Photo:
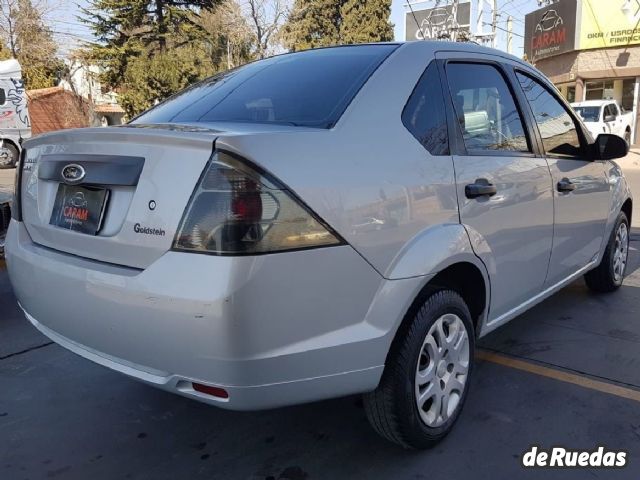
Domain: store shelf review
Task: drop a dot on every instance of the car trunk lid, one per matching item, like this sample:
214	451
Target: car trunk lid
115	195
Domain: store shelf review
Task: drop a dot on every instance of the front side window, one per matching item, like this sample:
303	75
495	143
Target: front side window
310	89
557	127
424	115
485	109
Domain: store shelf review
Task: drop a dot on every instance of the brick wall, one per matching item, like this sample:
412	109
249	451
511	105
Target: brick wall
57	109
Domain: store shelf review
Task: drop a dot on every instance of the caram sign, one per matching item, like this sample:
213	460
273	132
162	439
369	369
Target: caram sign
550	30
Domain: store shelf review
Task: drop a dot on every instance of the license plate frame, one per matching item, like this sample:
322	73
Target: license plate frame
79	208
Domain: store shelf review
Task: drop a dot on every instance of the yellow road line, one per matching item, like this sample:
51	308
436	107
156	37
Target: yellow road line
560	375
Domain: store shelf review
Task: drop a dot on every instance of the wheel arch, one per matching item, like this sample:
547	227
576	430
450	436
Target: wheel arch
468	278
627	208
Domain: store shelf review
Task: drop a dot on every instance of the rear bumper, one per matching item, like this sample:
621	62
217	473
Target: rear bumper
272	330
254	397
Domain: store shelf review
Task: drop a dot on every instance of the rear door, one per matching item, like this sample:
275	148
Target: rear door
503	185
581	187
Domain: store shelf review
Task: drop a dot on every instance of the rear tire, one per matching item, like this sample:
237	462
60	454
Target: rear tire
609	275
8	156
426	378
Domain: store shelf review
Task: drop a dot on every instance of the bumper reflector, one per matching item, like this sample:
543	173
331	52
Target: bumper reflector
209	390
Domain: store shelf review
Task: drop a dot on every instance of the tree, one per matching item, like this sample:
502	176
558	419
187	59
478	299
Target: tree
127	29
31	42
150	79
149	49
265	19
318	23
366	21
311	24
227	36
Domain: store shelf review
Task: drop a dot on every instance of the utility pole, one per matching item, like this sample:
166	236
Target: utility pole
453	30
486	15
494	23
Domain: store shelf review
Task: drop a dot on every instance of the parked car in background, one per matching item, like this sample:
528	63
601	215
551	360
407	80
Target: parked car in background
605	116
15	124
319	224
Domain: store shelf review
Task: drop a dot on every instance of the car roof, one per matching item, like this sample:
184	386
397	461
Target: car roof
439	46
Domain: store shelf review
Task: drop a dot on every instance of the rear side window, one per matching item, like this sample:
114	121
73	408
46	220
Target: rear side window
311	88
485	108
424	115
557	127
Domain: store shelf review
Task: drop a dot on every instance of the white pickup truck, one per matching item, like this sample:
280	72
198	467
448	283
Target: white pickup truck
605	116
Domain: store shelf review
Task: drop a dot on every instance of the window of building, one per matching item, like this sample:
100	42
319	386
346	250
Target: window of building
557	127
424	115
485	108
571	94
600	90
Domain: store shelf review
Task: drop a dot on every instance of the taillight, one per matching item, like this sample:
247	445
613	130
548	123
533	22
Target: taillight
236	210
16	205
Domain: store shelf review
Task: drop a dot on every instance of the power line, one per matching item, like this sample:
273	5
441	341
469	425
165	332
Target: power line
415	19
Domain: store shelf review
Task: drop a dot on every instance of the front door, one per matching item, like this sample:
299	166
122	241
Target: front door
581	187
504	189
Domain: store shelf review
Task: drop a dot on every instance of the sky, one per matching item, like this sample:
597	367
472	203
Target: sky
62	16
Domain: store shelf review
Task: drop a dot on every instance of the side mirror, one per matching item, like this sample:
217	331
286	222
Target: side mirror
609	118
609	147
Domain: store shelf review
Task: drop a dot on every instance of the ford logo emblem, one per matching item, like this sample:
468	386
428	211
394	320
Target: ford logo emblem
73	173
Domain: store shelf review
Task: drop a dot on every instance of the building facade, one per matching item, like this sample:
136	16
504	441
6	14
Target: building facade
590	50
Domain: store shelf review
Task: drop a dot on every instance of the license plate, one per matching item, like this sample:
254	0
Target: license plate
79	209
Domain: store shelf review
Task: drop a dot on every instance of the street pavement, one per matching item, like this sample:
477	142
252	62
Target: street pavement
63	417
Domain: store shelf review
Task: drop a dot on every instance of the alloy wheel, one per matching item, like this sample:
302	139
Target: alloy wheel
621	251
442	370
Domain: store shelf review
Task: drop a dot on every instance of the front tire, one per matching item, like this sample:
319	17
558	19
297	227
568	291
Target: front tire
609	275
8	156
426	378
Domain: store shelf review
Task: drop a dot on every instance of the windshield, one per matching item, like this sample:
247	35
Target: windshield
588	114
311	88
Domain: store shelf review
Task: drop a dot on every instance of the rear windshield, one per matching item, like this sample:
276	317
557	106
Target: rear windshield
588	114
311	89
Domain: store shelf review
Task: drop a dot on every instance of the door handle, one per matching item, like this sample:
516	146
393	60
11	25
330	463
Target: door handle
566	185
480	188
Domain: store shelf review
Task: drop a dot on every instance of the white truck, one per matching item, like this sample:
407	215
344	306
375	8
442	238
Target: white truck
15	124
605	116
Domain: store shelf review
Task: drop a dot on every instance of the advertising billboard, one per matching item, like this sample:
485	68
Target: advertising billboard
550	30
436	23
609	23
